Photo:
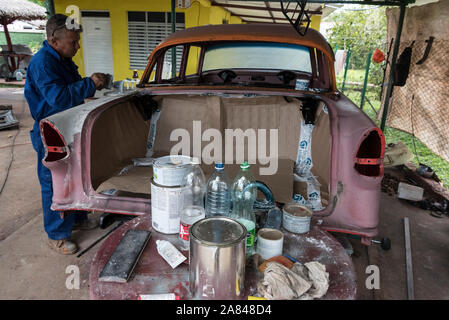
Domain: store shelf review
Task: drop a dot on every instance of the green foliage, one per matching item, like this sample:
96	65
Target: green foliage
362	32
39	2
32	40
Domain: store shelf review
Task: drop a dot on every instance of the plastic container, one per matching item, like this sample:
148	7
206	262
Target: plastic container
189	216
274	219
195	185
269	243
218	193
242	204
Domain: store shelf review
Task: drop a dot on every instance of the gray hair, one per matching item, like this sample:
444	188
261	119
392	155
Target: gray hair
60	22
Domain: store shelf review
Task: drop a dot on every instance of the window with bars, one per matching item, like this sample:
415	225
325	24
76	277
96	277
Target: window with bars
145	31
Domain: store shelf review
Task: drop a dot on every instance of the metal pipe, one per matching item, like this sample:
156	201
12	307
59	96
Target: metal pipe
173	30
365	82
397	41
346	69
50	6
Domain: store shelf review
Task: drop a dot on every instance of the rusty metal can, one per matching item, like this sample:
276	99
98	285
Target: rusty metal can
296	218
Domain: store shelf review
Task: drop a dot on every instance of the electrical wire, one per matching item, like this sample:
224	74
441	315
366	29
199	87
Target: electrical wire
413	129
12	154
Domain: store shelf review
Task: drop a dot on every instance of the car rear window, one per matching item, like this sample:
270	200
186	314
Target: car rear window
257	55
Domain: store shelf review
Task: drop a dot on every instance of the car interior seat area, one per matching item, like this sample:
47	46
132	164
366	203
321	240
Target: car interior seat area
190	124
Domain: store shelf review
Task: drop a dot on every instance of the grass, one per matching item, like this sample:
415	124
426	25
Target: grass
424	154
32	40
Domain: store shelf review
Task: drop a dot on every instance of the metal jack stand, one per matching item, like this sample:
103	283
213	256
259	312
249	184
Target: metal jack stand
385	243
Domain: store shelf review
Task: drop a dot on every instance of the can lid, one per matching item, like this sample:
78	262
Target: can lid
219	166
244	165
218	231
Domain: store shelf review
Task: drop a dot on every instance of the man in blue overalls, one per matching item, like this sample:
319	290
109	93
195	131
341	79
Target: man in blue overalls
53	84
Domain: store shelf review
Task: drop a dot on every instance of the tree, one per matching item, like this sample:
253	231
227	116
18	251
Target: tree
39	2
362	31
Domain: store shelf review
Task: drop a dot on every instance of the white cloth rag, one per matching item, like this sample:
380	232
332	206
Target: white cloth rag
301	282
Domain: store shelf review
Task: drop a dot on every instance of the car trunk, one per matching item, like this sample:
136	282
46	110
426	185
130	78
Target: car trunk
120	134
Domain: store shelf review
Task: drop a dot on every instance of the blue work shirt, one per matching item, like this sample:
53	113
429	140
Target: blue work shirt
53	85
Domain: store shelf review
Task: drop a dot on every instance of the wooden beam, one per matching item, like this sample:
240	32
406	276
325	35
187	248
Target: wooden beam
267	4
238	6
258	17
263	22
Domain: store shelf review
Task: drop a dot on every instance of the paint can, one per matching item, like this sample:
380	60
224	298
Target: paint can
296	218
269	243
217	259
169	171
166	206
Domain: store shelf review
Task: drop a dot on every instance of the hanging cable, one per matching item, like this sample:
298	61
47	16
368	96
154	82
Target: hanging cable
413	129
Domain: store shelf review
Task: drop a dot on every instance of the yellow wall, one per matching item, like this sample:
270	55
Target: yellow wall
200	13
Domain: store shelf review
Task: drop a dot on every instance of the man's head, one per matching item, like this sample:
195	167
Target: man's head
63	35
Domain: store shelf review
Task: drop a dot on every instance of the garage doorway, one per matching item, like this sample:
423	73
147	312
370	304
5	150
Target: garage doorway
97	42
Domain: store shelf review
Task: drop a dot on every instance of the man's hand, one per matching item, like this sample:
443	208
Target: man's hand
99	80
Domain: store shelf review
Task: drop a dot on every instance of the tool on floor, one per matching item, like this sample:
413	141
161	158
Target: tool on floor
7	119
99	239
106	219
408	260
125	256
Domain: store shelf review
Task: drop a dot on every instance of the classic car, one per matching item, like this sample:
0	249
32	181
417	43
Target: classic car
328	153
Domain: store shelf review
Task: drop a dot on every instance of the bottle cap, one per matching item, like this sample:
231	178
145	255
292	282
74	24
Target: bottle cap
244	165
219	166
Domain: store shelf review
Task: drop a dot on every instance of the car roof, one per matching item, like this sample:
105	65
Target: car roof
283	33
257	32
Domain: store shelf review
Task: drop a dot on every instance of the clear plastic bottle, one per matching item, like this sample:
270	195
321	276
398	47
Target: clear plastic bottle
189	216
194	183
218	193
242	204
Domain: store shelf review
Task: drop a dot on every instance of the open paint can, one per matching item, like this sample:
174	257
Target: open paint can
169	171
296	218
217	259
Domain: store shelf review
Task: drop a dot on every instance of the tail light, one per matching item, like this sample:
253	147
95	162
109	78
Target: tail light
368	161
54	142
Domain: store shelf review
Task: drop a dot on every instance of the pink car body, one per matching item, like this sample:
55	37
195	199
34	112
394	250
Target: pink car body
356	144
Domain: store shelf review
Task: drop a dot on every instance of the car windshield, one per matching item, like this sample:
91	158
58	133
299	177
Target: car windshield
257	55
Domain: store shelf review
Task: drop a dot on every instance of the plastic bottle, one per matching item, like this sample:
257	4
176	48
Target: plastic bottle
189	216
218	193
242	204
195	185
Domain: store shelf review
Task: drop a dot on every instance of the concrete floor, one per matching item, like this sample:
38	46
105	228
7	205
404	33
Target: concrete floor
29	270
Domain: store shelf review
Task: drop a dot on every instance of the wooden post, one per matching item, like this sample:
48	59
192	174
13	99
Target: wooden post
12	67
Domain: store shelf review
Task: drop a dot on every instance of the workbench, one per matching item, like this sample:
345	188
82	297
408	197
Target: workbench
153	274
